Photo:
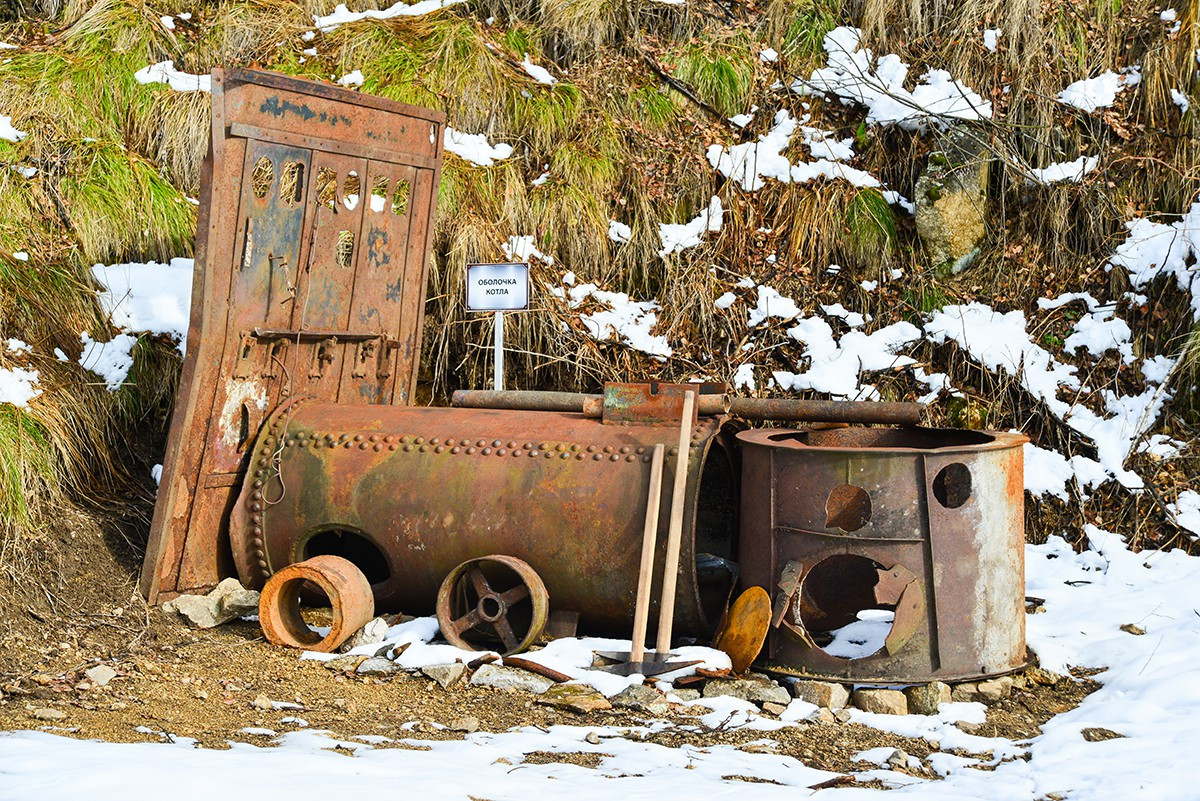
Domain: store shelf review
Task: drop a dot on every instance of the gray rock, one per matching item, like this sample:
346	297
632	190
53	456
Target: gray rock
879	701
748	690
224	603
995	690
825	717
898	759
951	201
510	678
262	702
369	634
48	714
377	666
827	694
1042	676
348	663
574	698
686	694
924	698
640	698
100	675
445	675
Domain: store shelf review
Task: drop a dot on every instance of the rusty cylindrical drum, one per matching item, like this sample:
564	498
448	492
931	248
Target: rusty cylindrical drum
892	555
343	584
408	493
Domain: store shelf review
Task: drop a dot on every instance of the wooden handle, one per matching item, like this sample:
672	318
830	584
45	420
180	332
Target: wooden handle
666	607
641	611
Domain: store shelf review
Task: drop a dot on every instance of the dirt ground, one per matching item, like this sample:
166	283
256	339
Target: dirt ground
176	681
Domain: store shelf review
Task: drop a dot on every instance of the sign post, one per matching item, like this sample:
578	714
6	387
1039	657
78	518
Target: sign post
498	288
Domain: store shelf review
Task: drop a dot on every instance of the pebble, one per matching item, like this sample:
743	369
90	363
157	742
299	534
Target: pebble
466	724
1133	628
100	675
227	601
686	694
774	709
641	698
1042	676
994	690
49	714
369	634
592	738
748	690
574	698
377	666
262	702
445	675
510	678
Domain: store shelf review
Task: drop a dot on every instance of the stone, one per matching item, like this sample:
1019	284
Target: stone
468	724
994	690
640	698
48	714
841	716
592	738
445	675
377	666
748	690
574	698
262	702
228	600
827	694
686	694
349	663
369	634
1133	628
100	675
880	701
511	679
924	698
898	759
774	709
951	201
1096	734
966	692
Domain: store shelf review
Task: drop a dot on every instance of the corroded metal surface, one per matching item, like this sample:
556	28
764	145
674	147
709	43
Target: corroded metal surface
344	585
662	403
494	599
313	236
744	629
926	523
410	493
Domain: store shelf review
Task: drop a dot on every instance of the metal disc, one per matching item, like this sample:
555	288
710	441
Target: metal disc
744	629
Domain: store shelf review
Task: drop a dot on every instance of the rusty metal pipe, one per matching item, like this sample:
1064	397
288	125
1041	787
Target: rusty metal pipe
344	585
825	411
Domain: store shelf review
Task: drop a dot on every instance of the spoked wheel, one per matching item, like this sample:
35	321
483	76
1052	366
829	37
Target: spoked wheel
497	602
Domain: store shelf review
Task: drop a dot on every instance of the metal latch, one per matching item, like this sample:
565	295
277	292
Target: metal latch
322	355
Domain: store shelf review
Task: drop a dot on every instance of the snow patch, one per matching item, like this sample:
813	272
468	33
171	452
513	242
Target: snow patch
475	148
165	72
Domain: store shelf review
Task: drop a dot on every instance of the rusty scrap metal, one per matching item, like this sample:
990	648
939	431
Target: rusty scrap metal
928	523
311	258
744	630
343	584
413	492
493	598
615	405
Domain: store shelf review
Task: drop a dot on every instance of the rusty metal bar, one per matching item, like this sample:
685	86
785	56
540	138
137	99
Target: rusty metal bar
708	405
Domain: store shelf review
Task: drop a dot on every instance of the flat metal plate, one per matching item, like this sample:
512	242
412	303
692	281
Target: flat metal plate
316	215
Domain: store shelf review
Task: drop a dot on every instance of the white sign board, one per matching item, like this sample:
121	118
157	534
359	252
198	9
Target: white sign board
497	287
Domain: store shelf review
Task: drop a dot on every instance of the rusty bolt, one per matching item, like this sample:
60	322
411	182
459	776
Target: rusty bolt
345	586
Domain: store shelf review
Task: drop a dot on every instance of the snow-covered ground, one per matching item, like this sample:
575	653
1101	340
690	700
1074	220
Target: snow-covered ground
1150	694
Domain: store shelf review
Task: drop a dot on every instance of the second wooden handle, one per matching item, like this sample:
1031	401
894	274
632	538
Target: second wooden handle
666	616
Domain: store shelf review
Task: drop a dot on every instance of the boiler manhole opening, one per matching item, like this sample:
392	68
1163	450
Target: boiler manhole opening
838	607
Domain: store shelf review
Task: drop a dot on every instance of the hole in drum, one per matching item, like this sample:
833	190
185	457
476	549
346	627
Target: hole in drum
490	608
716	532
848	507
837	607
952	485
352	546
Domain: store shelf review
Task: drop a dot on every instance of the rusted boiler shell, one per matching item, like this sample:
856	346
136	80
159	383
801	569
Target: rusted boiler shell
924	522
409	493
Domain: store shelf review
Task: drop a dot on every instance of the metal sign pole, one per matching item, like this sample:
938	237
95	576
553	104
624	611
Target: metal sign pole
498	348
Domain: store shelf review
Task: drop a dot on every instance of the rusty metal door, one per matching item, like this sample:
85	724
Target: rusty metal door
311	263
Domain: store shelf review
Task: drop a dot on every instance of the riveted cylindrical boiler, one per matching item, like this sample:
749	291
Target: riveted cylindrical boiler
891	555
408	493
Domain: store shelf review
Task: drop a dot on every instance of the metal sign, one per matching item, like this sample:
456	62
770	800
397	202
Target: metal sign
498	287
